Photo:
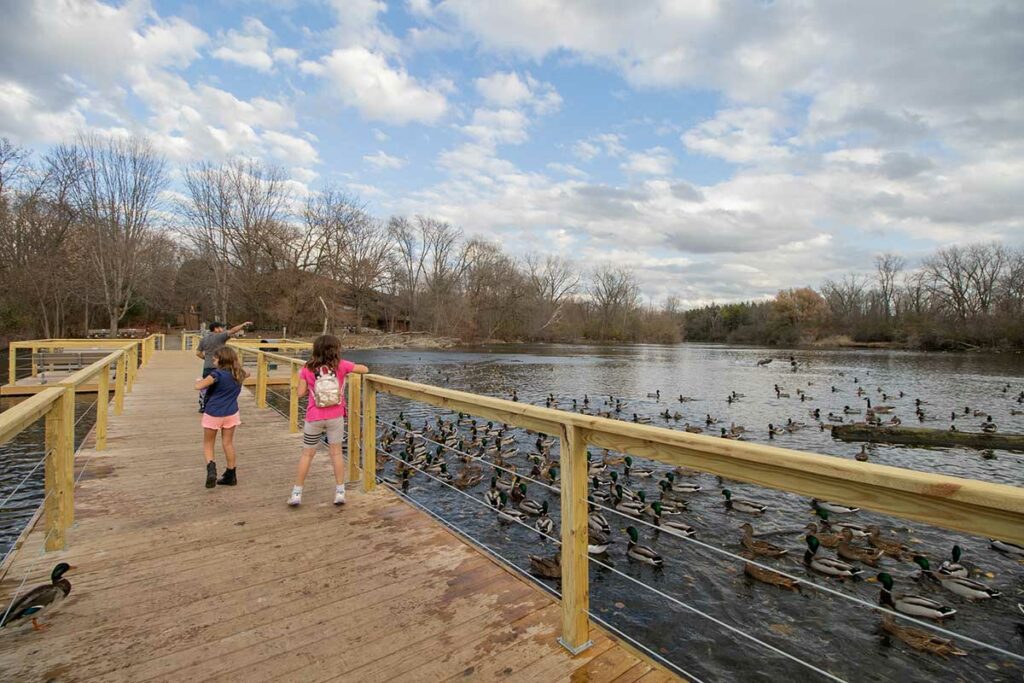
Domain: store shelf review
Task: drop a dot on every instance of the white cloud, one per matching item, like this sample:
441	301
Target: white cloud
381	160
381	92
506	89
739	135
609	144
498	126
251	47
290	148
380	136
654	161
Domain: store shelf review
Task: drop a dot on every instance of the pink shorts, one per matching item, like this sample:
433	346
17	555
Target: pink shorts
227	422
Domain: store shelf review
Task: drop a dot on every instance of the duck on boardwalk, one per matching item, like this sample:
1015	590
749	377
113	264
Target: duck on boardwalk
41	599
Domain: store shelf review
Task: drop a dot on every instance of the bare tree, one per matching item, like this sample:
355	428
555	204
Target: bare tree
553	281
616	294
409	263
888	268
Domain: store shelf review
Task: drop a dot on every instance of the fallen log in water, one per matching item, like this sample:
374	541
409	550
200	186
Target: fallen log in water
921	436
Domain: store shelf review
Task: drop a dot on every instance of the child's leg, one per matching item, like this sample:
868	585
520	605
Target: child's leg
338	461
335	439
305	460
209	440
227	442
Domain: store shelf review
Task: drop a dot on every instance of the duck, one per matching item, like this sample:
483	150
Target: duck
914	605
953	567
774	431
858	530
827	565
672	506
833	508
847	551
893	549
965	588
40	599
626	505
467	479
673	526
759	547
493	495
742	505
771	578
547	567
544	523
509	513
920	639
678	486
1007	547
829	540
862	454
628	469
642	553
595	520
597	542
530	507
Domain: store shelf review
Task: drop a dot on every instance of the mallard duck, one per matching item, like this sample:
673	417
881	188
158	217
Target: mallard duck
443	474
833	508
827	565
965	588
673	526
595	520
858	530
597	542
1007	547
630	471
672	506
507	512
893	549
771	578
862	455
680	486
742	505
467	478
953	567
625	505
845	550
547	567
530	507
510	483
913	605
921	640
40	599
544	523
759	547
493	495
641	553
829	540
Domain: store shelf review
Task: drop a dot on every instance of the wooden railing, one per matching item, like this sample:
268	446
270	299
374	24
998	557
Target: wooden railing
143	350
56	405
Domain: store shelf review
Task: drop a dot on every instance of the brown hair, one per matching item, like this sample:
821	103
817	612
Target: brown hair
326	353
226	358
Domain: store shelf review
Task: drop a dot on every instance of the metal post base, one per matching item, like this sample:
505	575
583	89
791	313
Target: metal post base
575	650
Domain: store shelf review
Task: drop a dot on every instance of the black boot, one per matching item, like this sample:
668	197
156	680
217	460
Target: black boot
228	478
211	474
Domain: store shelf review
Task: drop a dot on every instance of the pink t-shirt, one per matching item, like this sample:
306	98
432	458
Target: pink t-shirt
313	413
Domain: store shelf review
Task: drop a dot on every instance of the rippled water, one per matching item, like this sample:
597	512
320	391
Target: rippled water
826	631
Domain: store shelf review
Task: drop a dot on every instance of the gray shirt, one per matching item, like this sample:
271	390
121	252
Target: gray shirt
209	345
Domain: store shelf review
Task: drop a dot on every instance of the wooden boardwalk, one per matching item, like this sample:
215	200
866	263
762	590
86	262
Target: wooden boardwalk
175	582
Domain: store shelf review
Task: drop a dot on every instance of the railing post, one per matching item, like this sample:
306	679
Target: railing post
12	364
133	366
60	468
261	380
575	566
355	442
32	356
369	436
102	406
120	379
293	399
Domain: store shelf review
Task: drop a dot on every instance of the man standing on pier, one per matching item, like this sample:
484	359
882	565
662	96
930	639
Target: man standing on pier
216	338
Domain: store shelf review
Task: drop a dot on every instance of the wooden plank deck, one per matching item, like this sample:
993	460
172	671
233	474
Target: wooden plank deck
175	582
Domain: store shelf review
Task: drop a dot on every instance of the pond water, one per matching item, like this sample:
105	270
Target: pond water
821	629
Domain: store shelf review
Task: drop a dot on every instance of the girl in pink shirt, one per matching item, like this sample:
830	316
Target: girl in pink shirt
323	380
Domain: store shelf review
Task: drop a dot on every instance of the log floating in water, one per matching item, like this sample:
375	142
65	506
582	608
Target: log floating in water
921	436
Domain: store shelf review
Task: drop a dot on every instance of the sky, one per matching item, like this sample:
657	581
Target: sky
723	150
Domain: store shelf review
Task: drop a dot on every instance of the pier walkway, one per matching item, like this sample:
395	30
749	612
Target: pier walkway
175	582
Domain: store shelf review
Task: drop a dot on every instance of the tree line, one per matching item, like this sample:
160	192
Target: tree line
93	234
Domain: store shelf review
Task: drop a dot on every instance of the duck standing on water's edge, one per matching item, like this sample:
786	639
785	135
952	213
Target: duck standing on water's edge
40	599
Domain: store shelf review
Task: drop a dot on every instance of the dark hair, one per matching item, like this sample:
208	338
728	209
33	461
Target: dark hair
214	325
227	358
326	353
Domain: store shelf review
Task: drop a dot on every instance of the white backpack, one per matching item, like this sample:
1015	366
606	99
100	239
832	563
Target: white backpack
327	390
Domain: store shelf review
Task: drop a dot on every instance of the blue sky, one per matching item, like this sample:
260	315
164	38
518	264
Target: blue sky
724	150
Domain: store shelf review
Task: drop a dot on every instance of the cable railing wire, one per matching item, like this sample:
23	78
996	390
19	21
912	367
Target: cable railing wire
32	566
722	551
26	478
86	412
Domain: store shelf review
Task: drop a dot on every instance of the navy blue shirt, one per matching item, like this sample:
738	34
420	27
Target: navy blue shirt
222	396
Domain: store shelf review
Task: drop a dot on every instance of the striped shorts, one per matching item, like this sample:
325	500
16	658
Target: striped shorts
313	432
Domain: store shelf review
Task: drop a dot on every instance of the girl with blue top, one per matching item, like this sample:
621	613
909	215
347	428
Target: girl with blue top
220	413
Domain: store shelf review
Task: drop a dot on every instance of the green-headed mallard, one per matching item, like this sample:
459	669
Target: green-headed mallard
679	486
509	512
848	551
858	530
914	605
627	506
40	599
833	508
595	520
670	525
759	547
965	588
953	567
827	565
630	471
544	523
493	494
641	553
547	567
672	506
530	507
750	507
825	538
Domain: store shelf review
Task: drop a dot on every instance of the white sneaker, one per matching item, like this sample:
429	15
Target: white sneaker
295	500
339	497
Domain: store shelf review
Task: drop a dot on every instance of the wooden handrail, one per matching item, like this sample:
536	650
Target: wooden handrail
976	507
145	348
57	406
